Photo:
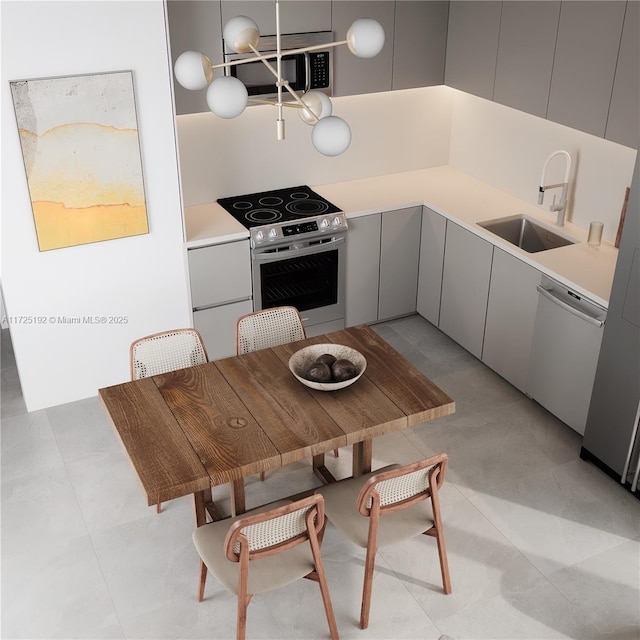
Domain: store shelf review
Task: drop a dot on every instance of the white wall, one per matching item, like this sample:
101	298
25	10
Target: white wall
142	279
391	132
507	148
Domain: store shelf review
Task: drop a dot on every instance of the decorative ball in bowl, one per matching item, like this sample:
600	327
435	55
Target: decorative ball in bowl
327	367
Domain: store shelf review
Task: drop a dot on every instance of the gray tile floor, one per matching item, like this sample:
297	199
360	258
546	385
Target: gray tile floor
541	544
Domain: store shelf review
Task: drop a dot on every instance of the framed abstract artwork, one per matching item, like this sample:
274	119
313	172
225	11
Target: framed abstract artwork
81	151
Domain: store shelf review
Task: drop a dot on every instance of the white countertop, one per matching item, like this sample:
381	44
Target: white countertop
458	197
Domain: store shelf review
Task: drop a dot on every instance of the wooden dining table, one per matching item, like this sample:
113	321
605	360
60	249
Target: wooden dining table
217	423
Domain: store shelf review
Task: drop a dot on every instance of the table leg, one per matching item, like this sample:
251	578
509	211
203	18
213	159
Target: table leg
321	471
236	488
199	502
362	454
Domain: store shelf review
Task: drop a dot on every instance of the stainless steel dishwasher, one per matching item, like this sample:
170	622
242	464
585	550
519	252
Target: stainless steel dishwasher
566	343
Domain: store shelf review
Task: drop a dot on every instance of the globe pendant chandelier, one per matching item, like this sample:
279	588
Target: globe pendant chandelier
227	97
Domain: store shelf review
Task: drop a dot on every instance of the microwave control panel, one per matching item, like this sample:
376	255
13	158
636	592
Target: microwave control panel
319	69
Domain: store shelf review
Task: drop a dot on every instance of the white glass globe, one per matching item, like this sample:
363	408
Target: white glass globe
239	33
331	136
227	97
365	38
193	70
320	105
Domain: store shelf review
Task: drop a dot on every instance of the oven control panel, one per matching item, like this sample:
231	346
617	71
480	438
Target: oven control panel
307	228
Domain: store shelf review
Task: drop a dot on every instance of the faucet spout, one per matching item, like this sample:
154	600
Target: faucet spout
561	207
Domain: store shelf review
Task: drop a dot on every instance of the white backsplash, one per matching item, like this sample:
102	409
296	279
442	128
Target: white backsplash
391	132
507	148
400	131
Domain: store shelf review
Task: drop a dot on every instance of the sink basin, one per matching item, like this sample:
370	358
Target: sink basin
526	233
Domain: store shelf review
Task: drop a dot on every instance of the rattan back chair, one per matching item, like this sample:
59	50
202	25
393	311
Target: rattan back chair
397	502
264	549
268	328
166	351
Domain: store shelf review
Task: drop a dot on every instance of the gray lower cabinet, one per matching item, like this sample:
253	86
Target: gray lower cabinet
363	269
399	258
465	287
434	227
511	314
383	251
220	278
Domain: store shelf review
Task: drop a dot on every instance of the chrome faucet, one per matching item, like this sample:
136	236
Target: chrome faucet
561	207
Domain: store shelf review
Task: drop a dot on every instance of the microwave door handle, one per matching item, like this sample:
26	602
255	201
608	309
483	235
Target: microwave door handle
307	72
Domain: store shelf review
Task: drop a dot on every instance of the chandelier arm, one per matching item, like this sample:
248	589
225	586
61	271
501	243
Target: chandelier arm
271	56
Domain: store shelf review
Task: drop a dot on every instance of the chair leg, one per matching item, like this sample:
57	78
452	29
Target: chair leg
159	507
203	579
444	563
262	476
369	567
241	629
336	453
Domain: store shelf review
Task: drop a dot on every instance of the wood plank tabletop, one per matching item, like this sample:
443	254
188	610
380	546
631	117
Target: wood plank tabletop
218	424
222	421
162	456
288	414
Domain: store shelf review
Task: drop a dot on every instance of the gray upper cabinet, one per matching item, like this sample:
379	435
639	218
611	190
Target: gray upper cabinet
587	48
353	75
472	46
527	42
419	44
194	25
623	123
296	16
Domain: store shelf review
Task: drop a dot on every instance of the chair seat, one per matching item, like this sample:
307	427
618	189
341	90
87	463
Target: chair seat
267	573
340	500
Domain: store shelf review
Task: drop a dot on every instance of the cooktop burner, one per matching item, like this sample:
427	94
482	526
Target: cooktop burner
279	205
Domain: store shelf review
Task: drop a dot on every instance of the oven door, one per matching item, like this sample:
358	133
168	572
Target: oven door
308	275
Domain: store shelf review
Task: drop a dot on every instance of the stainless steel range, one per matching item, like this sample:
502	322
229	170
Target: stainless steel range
298	241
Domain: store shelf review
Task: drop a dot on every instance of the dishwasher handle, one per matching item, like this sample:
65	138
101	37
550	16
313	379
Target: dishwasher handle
584	316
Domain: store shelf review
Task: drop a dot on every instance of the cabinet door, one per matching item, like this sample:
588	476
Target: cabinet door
525	55
296	16
511	314
399	259
218	327
363	269
419	43
465	287
353	75
220	273
623	123
194	26
584	65
432	238
472	46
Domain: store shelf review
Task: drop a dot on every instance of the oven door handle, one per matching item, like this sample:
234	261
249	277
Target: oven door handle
305	251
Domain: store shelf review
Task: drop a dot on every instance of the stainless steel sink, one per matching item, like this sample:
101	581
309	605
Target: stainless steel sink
526	233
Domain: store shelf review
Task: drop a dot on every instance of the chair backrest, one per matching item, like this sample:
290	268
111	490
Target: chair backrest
268	328
279	529
166	351
402	487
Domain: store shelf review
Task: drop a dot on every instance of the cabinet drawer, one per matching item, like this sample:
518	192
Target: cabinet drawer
220	273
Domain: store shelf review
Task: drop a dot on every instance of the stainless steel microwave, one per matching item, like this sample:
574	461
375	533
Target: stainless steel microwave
303	71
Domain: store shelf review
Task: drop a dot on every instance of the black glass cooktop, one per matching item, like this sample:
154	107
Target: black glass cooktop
279	205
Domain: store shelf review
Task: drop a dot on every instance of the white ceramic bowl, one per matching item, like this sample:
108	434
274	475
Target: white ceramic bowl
301	360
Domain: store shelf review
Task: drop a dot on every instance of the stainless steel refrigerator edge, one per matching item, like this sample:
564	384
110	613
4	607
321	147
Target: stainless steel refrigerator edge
612	436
